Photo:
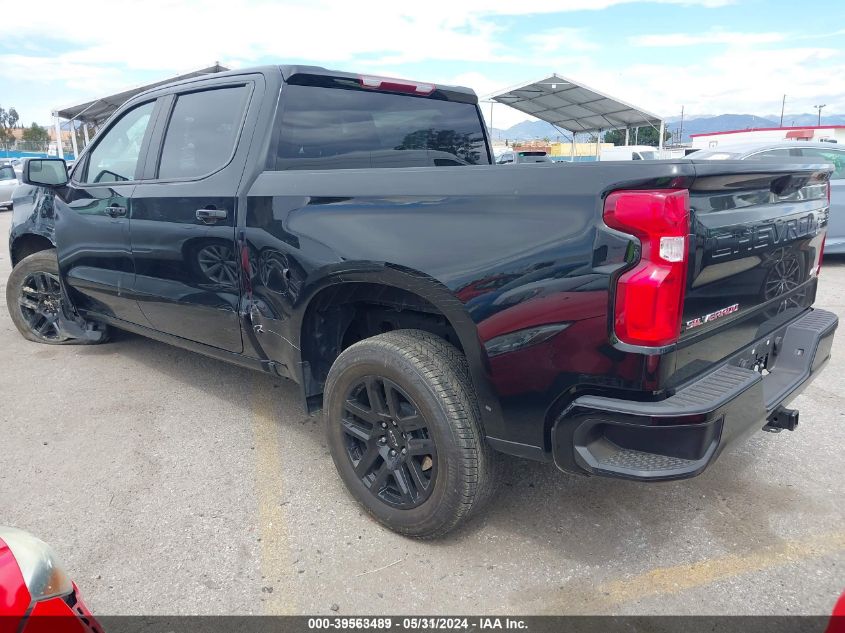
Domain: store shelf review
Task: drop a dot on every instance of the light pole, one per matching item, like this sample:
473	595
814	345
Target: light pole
819	108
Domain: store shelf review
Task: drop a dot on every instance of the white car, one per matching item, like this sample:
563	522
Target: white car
8	184
629	152
801	151
525	157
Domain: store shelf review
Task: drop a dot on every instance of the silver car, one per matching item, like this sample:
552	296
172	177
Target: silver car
823	152
8	183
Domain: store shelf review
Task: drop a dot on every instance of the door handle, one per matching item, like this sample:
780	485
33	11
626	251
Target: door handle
116	211
210	216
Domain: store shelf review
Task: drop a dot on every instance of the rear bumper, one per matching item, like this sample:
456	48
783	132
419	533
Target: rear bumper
680	436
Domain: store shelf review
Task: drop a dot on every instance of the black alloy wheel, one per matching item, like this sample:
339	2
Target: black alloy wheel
40	301
405	432
34	299
388	442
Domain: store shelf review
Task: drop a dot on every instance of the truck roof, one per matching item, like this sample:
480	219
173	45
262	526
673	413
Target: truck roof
460	93
289	71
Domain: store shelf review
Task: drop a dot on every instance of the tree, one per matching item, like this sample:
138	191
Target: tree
36	135
8	120
646	136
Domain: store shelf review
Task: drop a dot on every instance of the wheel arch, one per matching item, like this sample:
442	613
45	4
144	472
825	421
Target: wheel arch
26	244
398	288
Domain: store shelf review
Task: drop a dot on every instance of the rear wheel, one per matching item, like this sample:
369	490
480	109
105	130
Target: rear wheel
34	299
405	433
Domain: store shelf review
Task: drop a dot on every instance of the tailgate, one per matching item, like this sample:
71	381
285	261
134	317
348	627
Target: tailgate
759	229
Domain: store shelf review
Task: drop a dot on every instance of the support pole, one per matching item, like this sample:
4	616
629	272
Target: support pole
85	134
660	140
57	122
627	136
73	139
572	150
598	140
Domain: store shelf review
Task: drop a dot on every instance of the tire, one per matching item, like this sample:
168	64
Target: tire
35	280
422	393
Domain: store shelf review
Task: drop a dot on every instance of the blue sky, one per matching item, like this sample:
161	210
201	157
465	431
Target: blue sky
711	56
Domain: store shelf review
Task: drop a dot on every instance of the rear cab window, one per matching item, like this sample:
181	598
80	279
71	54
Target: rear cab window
341	127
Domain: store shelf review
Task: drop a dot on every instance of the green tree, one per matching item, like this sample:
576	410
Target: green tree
646	136
37	135
8	120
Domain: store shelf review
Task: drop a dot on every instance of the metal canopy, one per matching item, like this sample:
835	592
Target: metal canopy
574	106
98	110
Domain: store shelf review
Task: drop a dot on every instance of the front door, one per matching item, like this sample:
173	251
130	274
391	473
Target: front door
91	216
184	216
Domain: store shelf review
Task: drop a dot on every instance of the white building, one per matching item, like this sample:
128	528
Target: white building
773	134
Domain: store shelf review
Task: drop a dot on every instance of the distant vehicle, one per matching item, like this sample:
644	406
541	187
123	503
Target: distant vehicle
835	241
629	152
527	157
8	184
35	590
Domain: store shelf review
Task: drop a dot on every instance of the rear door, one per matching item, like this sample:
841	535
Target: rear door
184	213
92	217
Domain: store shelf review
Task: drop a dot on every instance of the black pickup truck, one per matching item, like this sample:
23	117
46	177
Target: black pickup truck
351	233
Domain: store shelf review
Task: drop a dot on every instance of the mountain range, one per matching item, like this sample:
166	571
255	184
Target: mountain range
527	130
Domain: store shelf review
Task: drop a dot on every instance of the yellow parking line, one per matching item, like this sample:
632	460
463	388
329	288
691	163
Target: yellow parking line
269	484
670	580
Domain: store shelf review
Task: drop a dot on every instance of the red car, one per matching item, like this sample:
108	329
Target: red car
36	594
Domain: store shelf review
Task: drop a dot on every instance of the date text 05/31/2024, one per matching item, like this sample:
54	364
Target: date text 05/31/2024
417	623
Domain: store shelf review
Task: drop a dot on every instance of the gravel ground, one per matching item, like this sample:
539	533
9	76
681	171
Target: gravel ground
174	484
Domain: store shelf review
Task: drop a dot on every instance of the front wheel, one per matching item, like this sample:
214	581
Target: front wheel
405	433
34	300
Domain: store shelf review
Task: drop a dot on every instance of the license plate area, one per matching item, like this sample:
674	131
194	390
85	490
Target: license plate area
759	356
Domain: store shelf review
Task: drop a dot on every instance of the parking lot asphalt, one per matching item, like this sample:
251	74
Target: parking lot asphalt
171	483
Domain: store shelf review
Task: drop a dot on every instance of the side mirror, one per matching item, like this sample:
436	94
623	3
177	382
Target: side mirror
45	172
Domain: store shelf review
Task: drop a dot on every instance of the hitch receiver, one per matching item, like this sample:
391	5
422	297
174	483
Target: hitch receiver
780	419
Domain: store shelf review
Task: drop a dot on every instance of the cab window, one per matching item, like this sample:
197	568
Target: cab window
202	132
115	157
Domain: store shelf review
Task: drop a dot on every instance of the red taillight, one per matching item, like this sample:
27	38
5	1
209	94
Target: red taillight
395	85
649	298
